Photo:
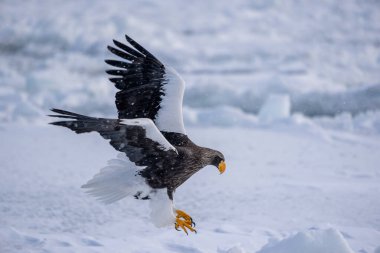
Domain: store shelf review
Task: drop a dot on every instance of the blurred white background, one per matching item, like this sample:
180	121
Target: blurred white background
323	55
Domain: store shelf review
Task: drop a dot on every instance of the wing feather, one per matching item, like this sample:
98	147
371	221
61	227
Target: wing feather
148	88
119	64
127	49
121	53
139	139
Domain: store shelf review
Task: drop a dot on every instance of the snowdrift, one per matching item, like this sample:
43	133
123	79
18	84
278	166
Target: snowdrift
311	241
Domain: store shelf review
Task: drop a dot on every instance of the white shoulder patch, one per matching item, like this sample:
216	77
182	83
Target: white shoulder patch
151	130
169	118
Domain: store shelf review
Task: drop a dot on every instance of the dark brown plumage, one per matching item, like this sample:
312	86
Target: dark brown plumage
149	128
164	168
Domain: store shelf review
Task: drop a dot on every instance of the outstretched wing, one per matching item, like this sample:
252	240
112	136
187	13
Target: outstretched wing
148	88
139	139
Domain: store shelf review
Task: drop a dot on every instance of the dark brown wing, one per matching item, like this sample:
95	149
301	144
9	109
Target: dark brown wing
139	139
148	88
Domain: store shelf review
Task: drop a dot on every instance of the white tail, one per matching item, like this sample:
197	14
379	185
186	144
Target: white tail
117	180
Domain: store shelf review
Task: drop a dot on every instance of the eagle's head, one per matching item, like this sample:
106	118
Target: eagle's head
218	161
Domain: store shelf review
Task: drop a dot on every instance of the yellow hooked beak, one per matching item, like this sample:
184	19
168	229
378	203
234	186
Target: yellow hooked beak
222	167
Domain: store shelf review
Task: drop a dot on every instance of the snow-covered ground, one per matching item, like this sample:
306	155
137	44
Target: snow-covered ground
279	182
288	90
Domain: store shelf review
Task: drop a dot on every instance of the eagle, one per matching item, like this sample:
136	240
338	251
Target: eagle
155	154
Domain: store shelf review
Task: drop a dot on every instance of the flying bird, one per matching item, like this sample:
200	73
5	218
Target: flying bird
156	155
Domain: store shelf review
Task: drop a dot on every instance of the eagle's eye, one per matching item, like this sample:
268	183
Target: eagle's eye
217	159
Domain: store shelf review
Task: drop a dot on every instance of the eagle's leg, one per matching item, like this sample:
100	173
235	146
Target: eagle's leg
183	220
185	216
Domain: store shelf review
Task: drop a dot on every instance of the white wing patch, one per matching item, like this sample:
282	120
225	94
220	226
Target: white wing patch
151	131
117	180
169	118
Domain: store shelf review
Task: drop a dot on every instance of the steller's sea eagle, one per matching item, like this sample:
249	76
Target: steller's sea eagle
157	155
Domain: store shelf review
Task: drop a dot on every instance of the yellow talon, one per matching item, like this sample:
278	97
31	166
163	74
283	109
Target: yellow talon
183	221
179	223
185	216
182	214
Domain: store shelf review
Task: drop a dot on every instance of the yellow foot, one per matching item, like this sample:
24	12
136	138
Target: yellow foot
185	216
179	223
183	221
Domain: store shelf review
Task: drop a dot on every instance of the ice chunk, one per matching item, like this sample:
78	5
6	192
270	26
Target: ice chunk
277	106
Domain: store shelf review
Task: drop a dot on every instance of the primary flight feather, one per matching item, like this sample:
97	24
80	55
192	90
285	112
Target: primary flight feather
156	154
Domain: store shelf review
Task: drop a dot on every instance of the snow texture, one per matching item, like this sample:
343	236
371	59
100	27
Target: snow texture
281	179
312	241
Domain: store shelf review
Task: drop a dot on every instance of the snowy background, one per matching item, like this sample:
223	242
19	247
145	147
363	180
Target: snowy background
289	91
